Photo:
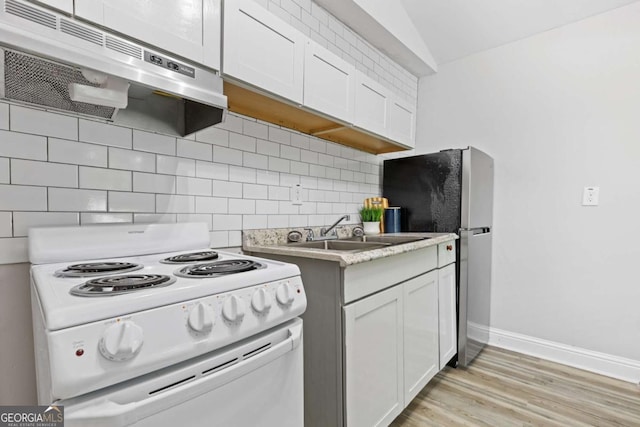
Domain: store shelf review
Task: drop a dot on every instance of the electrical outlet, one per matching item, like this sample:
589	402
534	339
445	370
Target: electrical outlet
296	194
590	196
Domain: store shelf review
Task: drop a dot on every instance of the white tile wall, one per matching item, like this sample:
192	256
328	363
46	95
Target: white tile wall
4	171
105	179
152	183
72	200
76	153
4	116
131	160
101	133
23	198
193	186
212	205
176	166
154	143
6	226
27	172
175	203
194	150
22	221
234	176
23	146
131	202
38	122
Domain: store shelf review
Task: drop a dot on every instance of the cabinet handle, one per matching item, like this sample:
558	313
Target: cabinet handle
449	247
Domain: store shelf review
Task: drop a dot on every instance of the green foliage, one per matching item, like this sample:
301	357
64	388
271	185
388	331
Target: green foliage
372	214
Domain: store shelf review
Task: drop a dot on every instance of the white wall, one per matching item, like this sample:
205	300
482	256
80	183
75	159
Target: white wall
558	111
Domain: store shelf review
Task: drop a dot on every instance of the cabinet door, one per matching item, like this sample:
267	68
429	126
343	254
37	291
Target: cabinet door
329	83
447	313
373	359
175	26
63	5
420	333
262	50
371	105
402	122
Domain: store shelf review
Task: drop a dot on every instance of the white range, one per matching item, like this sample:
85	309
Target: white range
145	325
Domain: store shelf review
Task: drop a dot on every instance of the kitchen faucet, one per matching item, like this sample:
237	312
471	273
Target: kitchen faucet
324	232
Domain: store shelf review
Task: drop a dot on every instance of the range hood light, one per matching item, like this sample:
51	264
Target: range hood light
113	93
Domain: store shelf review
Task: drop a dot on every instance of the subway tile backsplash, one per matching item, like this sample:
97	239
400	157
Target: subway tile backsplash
61	170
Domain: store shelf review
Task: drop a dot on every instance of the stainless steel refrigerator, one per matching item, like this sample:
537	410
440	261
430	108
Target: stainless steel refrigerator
452	191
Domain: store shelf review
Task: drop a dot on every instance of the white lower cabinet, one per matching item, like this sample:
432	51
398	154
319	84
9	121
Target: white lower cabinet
420	333
371	333
374	359
447	313
391	349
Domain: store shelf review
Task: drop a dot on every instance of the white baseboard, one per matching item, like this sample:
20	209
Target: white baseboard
593	361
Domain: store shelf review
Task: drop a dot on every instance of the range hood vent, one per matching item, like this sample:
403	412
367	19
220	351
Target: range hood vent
30	13
45	83
47	60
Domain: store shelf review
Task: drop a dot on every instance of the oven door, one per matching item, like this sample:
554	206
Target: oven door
258	381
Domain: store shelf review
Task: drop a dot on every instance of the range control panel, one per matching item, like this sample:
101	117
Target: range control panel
170	64
116	349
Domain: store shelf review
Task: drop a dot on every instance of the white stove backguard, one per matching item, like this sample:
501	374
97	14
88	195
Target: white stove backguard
67	244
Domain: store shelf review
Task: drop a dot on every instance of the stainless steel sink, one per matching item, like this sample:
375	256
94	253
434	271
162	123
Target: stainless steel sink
340	245
389	240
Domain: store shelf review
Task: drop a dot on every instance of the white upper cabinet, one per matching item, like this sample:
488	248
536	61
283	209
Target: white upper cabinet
262	50
371	105
63	5
329	83
402	121
187	28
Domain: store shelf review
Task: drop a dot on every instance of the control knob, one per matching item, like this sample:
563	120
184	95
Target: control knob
201	318
121	341
233	309
261	301
285	293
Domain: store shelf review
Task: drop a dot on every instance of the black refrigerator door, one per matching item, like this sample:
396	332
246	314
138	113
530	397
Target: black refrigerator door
428	188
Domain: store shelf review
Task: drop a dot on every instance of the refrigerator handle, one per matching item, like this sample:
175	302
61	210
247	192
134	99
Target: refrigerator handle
475	231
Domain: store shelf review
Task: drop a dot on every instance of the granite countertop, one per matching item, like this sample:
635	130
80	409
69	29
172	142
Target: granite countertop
274	241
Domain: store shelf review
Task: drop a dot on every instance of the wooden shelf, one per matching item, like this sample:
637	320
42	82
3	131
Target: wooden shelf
251	103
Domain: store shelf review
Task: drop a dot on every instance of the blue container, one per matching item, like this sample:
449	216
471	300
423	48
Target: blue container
392	220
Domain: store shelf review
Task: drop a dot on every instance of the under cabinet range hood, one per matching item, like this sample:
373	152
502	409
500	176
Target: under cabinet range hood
52	61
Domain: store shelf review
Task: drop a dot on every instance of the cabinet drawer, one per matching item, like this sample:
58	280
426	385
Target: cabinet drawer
446	253
367	278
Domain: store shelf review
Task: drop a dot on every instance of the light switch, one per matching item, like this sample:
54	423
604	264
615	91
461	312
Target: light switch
590	196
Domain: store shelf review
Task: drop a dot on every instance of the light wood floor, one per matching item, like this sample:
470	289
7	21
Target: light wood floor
502	388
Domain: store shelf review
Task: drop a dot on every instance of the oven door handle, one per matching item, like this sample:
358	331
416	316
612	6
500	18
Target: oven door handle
109	413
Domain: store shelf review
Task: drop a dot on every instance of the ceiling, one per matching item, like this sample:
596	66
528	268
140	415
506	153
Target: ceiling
453	29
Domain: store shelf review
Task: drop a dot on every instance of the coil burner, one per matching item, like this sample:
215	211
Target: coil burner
191	257
117	285
97	269
219	268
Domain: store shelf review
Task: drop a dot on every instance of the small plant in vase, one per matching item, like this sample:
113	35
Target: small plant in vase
371	219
